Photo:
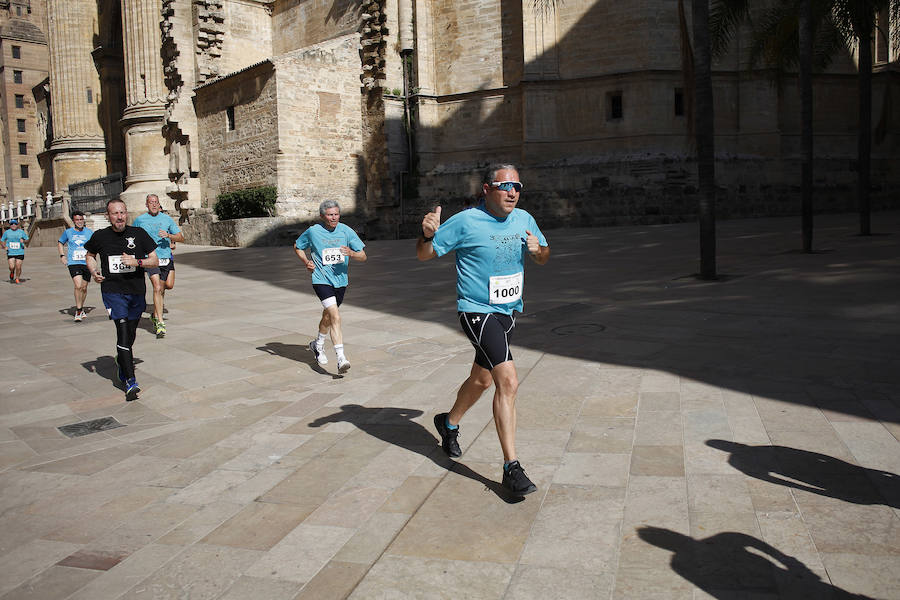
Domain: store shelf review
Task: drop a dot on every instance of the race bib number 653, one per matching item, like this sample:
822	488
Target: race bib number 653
506	288
332	256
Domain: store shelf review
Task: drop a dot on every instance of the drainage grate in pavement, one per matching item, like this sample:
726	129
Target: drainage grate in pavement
89	427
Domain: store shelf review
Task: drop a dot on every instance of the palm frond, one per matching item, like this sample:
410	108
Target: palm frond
725	17
545	8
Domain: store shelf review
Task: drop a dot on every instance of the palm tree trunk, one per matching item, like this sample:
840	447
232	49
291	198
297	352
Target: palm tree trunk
705	131
865	131
806	121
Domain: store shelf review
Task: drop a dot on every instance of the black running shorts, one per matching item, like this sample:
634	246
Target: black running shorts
489	334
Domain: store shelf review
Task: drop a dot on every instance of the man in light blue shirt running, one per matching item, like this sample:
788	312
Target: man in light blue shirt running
72	254
491	241
163	229
331	245
13	241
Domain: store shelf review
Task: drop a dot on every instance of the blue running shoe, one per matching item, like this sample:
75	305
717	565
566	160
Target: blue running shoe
132	389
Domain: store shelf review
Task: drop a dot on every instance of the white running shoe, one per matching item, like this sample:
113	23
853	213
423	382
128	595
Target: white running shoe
79	316
319	354
343	365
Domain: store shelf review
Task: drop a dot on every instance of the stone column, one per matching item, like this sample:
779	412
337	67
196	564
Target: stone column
145	106
78	150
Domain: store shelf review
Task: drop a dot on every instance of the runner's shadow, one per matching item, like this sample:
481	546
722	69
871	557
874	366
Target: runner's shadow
731	565
300	354
105	366
813	472
71	310
396	426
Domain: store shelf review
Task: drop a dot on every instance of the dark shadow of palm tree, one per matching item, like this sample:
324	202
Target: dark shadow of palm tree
298	353
730	565
396	426
813	472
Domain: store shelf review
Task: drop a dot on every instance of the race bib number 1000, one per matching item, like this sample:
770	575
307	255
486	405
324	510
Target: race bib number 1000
14	245
506	288
117	266
332	256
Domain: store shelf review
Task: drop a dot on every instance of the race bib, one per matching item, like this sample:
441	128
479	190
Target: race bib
79	254
164	262
14	245
332	256
506	288
117	266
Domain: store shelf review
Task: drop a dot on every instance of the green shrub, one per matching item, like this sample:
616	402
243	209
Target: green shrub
252	202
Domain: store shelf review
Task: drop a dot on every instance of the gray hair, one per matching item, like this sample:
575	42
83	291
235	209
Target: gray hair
491	171
328	204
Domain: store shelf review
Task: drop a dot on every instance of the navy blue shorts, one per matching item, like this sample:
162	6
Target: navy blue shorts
323	291
124	306
489	334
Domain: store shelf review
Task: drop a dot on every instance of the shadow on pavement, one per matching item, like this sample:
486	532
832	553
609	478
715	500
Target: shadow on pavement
300	354
780	325
813	472
105	366
735	565
396	426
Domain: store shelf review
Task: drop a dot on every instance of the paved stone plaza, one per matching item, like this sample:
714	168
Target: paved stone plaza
736	439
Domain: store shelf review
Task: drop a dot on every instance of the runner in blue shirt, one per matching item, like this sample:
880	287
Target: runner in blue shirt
491	241
163	229
72	255
331	245
13	241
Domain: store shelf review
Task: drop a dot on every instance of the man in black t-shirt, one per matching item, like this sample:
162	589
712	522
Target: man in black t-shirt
123	253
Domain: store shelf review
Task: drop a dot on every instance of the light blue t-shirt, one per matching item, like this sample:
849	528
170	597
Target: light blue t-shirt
74	241
490	257
324	245
153	225
15	242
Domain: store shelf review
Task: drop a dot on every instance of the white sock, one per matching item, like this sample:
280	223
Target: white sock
320	341
339	350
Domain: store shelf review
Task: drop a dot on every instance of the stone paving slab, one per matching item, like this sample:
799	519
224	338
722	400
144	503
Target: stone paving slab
690	439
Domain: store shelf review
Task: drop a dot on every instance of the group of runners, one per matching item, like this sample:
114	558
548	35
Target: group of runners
491	241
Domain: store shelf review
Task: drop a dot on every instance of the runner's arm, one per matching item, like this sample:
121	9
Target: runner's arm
310	265
91	262
541	256
62	252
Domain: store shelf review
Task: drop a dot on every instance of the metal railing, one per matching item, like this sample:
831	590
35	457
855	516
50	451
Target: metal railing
91	196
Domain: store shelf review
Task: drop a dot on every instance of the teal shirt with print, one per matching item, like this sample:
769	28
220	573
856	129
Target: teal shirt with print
324	251
153	225
15	242
490	257
74	242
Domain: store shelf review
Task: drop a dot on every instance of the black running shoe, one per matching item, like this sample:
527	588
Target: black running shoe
516	481
448	436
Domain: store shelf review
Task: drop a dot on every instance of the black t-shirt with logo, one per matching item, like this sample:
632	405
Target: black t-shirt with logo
109	245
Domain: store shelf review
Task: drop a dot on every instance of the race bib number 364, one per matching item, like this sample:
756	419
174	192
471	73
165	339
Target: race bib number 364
332	256
506	288
117	266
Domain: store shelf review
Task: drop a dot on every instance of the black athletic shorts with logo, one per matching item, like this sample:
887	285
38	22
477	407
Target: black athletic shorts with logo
75	270
490	334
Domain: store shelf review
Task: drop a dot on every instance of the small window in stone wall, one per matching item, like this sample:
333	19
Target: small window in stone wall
17	76
17	51
679	102
20	101
229	117
20	125
23	148
90	96
614	106
23	171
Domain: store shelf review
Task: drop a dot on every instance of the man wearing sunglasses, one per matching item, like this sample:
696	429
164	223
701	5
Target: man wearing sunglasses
491	241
